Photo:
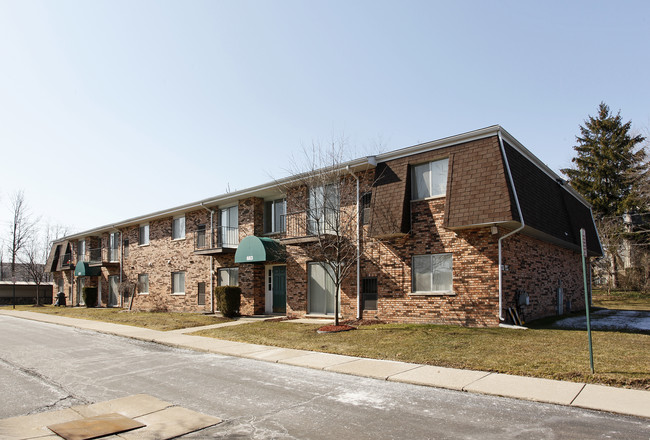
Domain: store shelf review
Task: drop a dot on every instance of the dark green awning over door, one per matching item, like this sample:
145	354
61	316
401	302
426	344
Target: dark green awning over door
83	269
254	249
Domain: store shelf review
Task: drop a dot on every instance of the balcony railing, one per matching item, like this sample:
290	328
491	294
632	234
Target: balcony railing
65	261
220	237
95	256
310	222
102	256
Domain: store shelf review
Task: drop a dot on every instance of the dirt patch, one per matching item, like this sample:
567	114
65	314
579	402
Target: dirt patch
335	328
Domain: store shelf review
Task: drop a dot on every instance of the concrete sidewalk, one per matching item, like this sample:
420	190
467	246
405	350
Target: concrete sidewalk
161	420
596	397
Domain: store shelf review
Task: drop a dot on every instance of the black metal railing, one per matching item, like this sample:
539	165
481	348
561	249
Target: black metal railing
311	222
95	255
220	237
66	260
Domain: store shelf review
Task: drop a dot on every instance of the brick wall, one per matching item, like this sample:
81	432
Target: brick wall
539	268
163	256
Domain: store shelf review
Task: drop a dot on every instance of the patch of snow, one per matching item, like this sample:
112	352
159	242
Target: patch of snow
629	320
361	398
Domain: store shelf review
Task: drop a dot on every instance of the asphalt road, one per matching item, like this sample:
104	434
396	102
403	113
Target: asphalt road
44	367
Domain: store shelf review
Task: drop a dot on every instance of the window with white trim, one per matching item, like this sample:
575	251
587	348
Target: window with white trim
430	179
228	276
178	228
432	273
178	283
144	235
274	215
323	214
143	284
229	227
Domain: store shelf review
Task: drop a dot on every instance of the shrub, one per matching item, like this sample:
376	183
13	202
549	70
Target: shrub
90	296
228	300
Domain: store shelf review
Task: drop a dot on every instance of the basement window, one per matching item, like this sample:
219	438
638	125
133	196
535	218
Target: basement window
369	292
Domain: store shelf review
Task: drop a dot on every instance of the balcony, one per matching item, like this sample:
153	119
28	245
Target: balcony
305	226
102	257
222	239
65	262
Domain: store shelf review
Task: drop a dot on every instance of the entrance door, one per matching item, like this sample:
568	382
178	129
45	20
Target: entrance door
279	289
321	289
276	289
113	281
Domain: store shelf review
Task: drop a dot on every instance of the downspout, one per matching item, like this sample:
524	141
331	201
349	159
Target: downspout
358	248
523	224
211	211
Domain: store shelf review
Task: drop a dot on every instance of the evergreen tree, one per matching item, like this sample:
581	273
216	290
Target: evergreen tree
610	165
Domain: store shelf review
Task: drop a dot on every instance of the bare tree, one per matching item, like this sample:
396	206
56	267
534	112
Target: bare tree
33	258
330	192
21	230
2	261
610	230
36	252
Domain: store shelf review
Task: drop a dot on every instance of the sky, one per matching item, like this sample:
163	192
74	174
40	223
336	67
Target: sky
114	109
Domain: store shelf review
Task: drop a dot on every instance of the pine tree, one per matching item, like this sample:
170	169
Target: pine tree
610	165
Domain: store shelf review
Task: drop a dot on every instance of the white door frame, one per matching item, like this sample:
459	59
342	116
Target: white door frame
268	287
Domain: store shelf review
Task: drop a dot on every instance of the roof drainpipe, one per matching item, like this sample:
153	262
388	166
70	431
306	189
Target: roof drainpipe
211	271
358	248
523	224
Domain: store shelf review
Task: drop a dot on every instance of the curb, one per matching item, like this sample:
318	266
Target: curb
623	401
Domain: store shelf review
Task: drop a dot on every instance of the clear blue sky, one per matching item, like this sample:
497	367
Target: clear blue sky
113	109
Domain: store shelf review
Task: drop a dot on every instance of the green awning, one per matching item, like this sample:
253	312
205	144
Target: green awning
83	269
254	249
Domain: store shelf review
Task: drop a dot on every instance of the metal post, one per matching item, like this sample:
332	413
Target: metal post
583	239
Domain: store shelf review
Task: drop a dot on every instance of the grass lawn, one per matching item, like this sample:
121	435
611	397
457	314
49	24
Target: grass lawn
154	320
621	359
621	300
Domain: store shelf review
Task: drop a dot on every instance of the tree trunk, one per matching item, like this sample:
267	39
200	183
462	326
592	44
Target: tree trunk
614	266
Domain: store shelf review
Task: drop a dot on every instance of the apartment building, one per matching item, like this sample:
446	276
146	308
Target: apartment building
454	231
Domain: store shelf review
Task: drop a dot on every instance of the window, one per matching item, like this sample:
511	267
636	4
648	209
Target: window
369	292
114	247
366	198
274	216
81	250
144	235
59	284
178	228
125	245
228	276
201	242
430	179
143	284
201	293
229	226
432	273
323	209
178	283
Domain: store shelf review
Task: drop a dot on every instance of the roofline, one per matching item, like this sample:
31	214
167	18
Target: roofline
221	199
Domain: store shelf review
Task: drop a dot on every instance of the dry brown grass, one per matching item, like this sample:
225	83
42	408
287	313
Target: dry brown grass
621	300
154	320
621	359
